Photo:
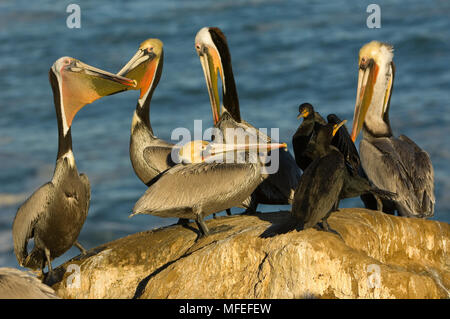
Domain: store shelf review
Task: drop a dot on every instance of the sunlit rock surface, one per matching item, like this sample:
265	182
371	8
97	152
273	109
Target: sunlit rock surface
379	256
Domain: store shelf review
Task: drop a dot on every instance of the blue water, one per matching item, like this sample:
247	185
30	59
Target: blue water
284	53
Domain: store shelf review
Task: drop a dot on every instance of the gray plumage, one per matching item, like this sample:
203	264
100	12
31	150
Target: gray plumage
53	215
400	166
195	191
149	155
16	284
394	164
277	188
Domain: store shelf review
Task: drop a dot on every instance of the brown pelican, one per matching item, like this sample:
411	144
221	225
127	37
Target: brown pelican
194	191
149	155
16	284
394	164
326	181
55	213
212	48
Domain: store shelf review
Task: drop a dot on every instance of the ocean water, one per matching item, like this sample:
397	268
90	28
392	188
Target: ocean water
284	53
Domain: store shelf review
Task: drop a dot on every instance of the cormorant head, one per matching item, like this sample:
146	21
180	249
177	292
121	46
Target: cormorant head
305	110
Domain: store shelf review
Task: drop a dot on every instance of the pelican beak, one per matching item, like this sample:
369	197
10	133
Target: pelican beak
212	66
96	75
336	127
367	77
142	68
214	149
83	84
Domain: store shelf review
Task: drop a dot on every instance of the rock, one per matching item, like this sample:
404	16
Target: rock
379	256
16	284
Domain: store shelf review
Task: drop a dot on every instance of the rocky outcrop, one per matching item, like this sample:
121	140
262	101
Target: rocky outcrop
375	256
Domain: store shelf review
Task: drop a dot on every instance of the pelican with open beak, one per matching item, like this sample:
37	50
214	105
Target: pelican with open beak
212	48
394	164
55	213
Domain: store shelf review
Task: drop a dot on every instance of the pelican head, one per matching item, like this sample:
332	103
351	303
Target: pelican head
375	79
212	49
76	84
145	66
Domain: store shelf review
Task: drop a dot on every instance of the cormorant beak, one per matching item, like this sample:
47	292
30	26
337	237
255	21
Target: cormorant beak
142	68
83	84
303	114
336	127
367	77
212	66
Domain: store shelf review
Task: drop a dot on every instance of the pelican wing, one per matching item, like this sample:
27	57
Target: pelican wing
388	163
158	158
27	215
85	180
418	163
184	188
